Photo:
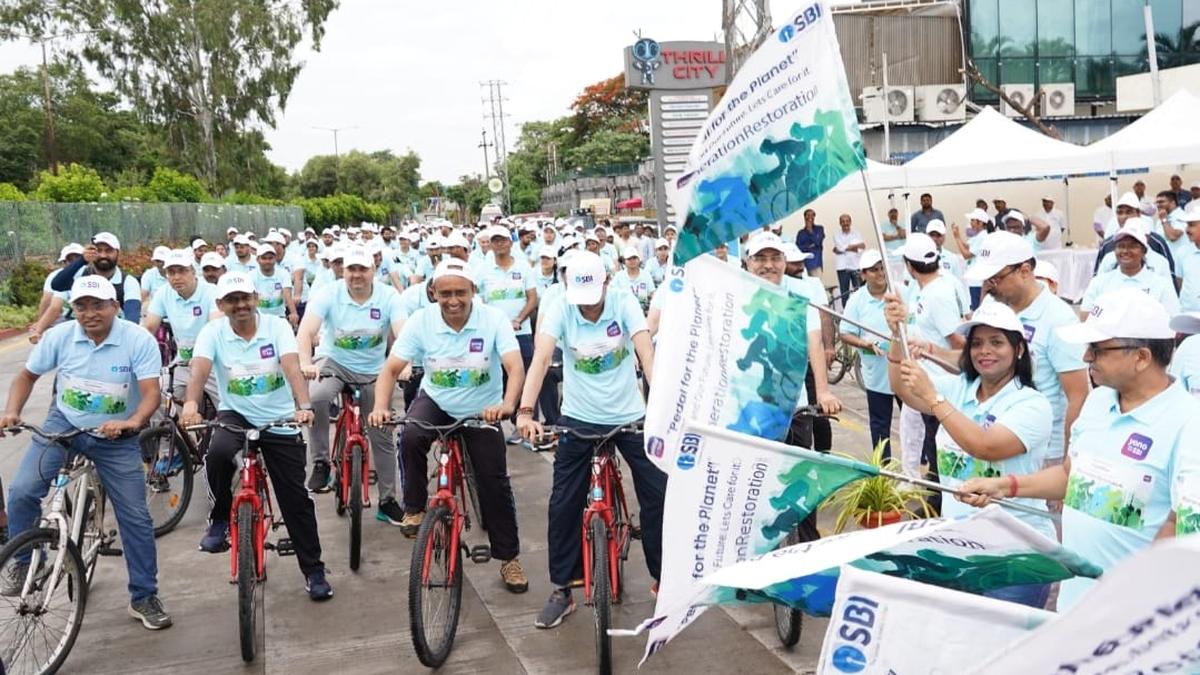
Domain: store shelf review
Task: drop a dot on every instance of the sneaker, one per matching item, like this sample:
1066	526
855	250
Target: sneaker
411	523
515	439
316	585
556	609
151	613
216	539
319	480
514	576
389	512
169	467
13	578
3	535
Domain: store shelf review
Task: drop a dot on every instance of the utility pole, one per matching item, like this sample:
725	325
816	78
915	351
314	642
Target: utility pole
495	103
337	159
51	152
487	166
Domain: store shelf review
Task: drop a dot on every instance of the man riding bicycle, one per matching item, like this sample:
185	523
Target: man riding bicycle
107	380
187	303
258	375
462	345
599	331
355	315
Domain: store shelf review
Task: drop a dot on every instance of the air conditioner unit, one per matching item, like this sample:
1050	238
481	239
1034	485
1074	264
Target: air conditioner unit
1019	93
941	102
1058	100
899	104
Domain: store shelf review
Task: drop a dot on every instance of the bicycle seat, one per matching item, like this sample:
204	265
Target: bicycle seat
349	389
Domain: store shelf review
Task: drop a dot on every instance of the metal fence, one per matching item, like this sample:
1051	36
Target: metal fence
42	228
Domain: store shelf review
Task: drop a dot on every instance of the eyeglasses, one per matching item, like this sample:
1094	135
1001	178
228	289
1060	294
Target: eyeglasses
760	258
997	278
1093	350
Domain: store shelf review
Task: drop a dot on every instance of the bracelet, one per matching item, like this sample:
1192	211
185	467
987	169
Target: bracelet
1012	485
525	411
943	417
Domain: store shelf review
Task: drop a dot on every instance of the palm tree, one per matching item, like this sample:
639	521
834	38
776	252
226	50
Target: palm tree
1183	50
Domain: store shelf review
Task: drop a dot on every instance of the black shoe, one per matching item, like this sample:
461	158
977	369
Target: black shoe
318	588
151	613
319	480
389	512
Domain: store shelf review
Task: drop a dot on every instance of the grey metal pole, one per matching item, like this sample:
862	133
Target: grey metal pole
1152	53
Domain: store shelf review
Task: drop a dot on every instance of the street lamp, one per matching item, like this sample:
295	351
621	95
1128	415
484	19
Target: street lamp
337	160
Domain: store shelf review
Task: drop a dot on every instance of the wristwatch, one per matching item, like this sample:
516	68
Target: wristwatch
937	400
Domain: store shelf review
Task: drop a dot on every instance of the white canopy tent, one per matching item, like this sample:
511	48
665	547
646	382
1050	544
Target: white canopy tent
882	176
1165	135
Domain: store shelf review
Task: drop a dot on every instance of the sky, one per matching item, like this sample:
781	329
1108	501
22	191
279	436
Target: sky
407	74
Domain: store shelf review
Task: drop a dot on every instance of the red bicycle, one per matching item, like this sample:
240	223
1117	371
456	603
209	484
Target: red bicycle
350	460
606	533
251	518
436	577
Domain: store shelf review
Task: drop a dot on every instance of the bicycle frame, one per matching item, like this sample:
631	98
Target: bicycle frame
253	490
605	492
349	428
451	484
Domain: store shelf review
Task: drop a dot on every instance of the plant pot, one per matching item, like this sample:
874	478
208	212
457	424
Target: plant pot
879	519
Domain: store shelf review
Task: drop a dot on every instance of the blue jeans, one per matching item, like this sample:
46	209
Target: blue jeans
568	498
119	465
1031	595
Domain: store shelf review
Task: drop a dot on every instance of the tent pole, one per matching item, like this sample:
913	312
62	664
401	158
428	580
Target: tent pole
887	271
1066	202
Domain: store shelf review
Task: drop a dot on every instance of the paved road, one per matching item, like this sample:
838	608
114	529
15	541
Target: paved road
364	628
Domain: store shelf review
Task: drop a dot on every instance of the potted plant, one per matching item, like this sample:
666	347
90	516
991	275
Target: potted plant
877	500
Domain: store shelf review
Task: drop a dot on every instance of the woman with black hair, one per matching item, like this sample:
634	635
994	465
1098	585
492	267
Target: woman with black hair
992	420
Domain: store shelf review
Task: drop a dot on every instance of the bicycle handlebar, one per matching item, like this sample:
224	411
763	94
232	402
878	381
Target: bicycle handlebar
631	428
53	438
282	422
812	411
443	429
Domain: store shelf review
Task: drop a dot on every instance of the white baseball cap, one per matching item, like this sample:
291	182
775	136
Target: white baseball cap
456	239
585	278
792	253
661	243
241	240
275	238
763	241
1191	212
1132	229
434	241
263	249
334	252
211	259
234	282
994	314
978	214
1015	215
285	232
998	250
935	225
548	252
1046	270
159	254
631	252
1131	200
565	258
359	255
496	231
179	258
453	268
869	259
1124	313
1187	323
919	248
231	230
107	238
591	236
198	242
93	286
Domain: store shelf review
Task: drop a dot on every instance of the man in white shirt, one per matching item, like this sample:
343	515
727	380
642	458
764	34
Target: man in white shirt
1057	222
848	245
1102	215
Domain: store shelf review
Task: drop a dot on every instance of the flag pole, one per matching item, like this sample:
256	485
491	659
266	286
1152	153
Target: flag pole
1006	503
887	271
946	365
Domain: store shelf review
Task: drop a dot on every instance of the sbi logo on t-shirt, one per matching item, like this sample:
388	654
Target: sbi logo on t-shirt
375	313
614	329
197	311
1137	447
266	352
476	345
1030	331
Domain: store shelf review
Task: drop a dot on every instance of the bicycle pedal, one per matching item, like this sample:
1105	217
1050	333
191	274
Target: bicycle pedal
635	532
110	551
480	554
284	547
372	477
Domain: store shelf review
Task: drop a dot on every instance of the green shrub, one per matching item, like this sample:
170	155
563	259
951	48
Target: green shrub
169	185
25	284
10	193
74	183
17	317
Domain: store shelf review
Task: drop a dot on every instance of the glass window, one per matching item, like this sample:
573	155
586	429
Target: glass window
1174	48
1056	69
985	27
1093	29
1168	17
1128	28
1020	28
1017	70
1191	12
987	68
1093	77
1056	27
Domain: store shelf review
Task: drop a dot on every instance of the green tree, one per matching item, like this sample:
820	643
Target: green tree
168	185
319	177
204	71
608	147
607	104
74	183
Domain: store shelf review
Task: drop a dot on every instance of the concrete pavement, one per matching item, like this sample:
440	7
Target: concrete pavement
364	628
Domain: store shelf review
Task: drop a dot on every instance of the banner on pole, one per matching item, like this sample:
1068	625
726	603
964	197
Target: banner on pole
736	497
784	133
733	353
883	624
982	551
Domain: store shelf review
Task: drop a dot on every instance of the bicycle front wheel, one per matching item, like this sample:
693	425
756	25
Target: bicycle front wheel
788	621
434	593
40	621
169	477
837	368
354	503
92	535
601	593
247	582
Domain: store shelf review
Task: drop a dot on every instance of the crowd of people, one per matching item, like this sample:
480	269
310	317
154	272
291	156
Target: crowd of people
539	322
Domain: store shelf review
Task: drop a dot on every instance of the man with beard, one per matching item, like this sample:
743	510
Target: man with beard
99	258
212	266
187	303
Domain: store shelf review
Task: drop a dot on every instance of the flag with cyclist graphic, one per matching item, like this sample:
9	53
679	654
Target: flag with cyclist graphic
738	351
784	133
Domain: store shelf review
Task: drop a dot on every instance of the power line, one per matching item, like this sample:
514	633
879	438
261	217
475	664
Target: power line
494	110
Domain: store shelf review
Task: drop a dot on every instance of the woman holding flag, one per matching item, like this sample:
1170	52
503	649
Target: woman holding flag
992	420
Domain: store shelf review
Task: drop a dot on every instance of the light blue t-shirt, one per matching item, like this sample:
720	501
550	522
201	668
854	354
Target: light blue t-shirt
186	317
642	287
891	230
96	383
410	258
232	264
508	290
353	335
1185	365
599	377
1119	490
311	269
1177	221
413	298
152	280
1022	410
1155	285
270	291
463	369
868	310
1187	265
425	268
658	270
543	282
249	373
1155	262
935	310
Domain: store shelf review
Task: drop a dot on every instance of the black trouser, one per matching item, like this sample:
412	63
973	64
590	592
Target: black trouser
486	450
284	455
411	386
929	456
548	401
879	411
821	431
800	434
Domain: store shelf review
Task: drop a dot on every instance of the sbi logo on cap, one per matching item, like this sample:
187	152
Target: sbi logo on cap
583	279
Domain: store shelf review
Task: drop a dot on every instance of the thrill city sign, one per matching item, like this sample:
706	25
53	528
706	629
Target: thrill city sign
681	77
